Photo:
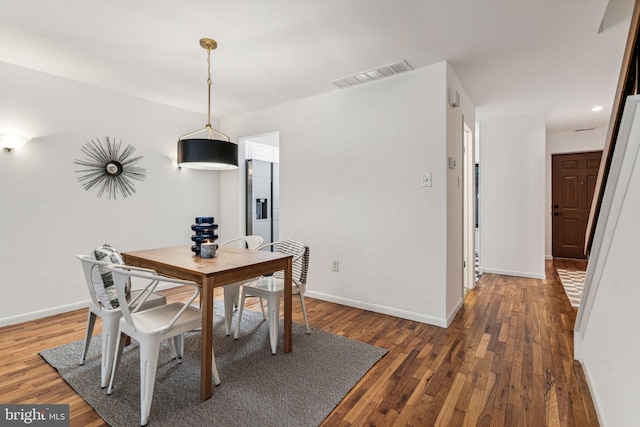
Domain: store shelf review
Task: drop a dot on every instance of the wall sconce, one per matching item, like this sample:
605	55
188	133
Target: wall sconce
11	142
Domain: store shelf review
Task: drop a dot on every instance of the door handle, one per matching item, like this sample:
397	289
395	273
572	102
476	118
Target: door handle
556	213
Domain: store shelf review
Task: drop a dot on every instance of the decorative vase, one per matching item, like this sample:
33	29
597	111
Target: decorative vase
205	230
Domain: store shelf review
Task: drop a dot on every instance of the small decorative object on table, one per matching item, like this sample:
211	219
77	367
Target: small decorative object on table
208	249
205	231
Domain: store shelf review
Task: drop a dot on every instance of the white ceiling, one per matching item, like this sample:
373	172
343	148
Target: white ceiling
512	56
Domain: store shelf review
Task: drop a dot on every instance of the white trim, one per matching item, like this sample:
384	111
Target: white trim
548	257
33	315
594	395
403	314
454	312
622	165
515	273
20	318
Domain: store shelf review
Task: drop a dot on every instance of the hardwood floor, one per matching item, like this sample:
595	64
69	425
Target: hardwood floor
506	360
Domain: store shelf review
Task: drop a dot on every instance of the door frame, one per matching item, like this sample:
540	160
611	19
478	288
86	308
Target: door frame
468	208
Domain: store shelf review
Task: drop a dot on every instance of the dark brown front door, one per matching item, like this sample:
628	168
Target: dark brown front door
573	181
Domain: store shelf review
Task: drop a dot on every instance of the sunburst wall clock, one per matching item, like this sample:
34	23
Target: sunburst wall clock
108	169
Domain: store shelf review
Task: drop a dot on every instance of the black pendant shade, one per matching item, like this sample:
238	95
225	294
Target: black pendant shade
208	154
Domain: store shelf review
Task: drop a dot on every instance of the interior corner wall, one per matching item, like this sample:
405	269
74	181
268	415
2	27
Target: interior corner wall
457	117
512	196
351	163
560	143
46	217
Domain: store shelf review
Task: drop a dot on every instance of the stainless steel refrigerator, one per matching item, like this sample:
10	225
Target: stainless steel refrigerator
263	179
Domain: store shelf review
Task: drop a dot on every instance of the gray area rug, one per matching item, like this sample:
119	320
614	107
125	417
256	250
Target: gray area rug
258	389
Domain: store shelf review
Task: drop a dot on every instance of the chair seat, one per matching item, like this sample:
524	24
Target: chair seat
267	285
151	320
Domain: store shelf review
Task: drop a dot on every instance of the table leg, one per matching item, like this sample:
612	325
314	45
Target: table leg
288	309
206	304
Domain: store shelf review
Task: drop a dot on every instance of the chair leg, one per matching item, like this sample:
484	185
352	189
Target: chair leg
304	312
236	335
273	306
236	298
229	299
148	366
174	352
91	322
116	361
214	368
109	340
177	344
264	316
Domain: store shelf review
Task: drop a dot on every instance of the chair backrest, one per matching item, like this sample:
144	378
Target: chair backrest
300	254
122	275
120	278
251	242
99	280
88	265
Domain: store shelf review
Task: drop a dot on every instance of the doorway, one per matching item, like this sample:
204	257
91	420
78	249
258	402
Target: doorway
469	217
262	185
573	182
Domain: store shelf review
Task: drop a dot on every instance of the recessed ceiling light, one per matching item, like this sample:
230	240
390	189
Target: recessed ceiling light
597	108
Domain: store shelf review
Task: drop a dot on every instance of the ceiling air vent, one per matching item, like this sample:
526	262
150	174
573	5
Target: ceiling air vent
371	75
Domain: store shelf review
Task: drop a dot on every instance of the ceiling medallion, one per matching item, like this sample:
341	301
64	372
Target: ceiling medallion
108	169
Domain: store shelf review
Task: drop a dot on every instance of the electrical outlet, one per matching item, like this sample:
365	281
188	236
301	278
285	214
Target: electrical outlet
335	265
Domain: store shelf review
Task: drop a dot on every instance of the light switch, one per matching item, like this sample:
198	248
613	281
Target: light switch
426	179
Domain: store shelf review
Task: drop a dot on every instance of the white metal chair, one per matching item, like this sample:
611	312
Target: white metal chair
151	327
232	290
272	287
110	315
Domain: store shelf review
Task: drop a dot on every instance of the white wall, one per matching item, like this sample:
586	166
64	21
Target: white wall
566	142
512	196
610	349
351	163
606	325
46	217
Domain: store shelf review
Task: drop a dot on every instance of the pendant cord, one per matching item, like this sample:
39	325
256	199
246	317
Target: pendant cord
209	85
208	44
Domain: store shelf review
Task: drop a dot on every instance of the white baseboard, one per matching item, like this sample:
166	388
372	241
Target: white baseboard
391	311
594	394
33	315
37	314
548	257
453	313
516	273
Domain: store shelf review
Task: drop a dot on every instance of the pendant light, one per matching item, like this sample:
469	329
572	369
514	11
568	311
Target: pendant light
207	152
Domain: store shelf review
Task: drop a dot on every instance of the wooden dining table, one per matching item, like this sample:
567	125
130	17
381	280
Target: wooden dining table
228	266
